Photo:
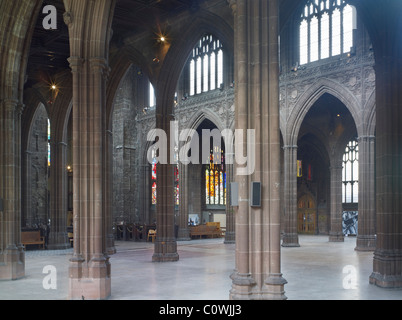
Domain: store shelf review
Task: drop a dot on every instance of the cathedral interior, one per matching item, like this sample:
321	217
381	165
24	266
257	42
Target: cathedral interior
109	111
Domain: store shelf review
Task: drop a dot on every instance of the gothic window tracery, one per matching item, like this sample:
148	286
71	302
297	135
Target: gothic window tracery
326	29
206	65
215	178
350	174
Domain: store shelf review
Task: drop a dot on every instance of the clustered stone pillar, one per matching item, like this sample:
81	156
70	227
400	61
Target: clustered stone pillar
383	23
183	232
387	263
12	257
366	237
165	244
89	267
89	25
230	234
258	272
290	236
336	231
58	180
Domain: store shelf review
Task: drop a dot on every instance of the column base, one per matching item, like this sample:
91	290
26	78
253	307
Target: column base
230	237
12	264
183	234
276	287
165	257
366	243
242	285
336	237
387	269
89	282
110	248
385	281
58	241
290	240
165	251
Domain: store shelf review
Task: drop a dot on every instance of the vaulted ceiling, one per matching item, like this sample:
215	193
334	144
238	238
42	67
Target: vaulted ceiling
50	49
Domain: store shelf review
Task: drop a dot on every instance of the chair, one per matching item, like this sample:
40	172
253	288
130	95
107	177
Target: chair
152	235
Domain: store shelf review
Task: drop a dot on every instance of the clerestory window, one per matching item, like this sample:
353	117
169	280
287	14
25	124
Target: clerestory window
206	65
326	29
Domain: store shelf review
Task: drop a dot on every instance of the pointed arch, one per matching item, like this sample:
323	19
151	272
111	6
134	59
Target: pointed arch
310	96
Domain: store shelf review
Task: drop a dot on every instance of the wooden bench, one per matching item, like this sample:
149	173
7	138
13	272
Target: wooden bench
208	231
32	237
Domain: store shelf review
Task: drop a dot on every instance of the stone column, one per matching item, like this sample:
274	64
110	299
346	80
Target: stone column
383	18
230	234
89	24
290	237
58	238
366	237
27	187
12	257
258	273
146	193
336	231
89	267
184	232
387	263
107	191
165	244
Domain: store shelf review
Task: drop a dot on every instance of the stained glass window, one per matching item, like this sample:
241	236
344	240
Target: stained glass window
350	173
215	179
176	183
206	65
326	29
153	177
154	183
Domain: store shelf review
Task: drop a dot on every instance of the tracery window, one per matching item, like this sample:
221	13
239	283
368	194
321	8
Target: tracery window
350	173
206	65
326	29
215	178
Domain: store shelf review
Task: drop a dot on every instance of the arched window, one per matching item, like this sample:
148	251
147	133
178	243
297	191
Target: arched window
206	65
215	178
151	98
326	29
350	173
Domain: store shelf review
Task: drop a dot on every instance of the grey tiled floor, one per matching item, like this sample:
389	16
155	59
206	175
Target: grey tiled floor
314	271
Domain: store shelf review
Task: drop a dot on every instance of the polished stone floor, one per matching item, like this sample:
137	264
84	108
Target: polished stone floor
317	270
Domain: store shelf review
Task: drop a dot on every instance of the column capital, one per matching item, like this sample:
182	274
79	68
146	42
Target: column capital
68	18
233	5
287	147
75	63
368	138
99	63
10	104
